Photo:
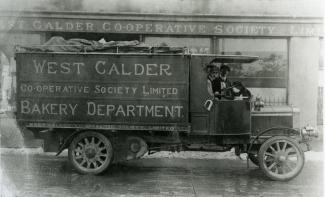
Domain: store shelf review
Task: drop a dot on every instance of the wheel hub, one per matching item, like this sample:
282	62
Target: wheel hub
90	153
135	147
280	157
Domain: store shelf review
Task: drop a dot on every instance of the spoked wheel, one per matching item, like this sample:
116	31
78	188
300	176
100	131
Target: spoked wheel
90	152
281	158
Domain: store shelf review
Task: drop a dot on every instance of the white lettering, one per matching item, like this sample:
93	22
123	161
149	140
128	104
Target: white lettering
100	63
139	69
78	66
89	26
24	107
39	67
155	111
50	67
37	25
218	29
107	26
91	108
165	68
113	69
150	67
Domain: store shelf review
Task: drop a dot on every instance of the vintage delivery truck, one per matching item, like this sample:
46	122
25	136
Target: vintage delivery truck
111	107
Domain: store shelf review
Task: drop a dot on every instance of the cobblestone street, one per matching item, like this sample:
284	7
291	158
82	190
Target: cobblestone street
44	175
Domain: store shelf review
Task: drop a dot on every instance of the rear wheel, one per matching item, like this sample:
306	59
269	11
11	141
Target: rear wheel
90	152
281	158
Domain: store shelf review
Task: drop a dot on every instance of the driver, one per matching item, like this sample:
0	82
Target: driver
241	91
222	85
224	81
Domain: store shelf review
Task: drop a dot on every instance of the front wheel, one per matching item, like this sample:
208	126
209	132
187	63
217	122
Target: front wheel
90	152
281	158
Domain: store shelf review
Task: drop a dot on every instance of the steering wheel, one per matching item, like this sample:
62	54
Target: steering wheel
225	93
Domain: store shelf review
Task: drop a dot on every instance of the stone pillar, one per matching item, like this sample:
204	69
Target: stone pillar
303	77
13	85
4	80
8	42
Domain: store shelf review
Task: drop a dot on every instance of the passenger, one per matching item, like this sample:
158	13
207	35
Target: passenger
222	85
213	74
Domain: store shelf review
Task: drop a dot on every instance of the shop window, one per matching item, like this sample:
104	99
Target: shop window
194	45
267	77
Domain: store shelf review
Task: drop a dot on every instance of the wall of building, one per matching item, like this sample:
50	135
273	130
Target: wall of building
207	25
8	41
303	74
214	7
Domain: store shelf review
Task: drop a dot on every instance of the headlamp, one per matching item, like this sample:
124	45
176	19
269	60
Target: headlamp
309	131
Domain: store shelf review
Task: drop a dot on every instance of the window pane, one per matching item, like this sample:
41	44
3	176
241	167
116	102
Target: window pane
272	54
266	78
195	45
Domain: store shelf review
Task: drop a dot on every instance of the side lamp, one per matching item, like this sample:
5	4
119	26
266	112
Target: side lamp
258	104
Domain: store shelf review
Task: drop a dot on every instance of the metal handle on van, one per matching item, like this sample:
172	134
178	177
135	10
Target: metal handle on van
208	104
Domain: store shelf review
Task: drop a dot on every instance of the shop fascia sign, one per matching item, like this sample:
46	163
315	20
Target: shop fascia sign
160	27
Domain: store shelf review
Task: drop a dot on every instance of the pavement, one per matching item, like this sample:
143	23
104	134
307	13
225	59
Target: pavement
168	174
31	172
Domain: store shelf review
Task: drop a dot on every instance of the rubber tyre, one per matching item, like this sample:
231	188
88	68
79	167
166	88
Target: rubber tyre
263	156
101	147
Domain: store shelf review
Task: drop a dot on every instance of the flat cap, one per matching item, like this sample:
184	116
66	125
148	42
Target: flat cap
223	66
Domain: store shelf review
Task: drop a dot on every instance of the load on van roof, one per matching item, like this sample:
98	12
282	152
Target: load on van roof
59	44
79	45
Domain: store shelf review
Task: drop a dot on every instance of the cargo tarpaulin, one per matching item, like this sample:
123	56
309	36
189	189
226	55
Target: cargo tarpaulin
59	44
